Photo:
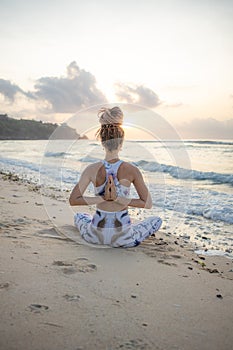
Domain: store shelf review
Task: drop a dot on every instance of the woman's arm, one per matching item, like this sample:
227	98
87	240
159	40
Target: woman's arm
144	200
76	196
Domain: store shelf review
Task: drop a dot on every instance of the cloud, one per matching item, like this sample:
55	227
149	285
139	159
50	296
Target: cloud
174	105
209	128
137	94
70	93
182	87
9	90
76	90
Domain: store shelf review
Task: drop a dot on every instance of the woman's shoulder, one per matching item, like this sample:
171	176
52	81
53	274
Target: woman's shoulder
129	168
94	166
128	165
93	169
128	171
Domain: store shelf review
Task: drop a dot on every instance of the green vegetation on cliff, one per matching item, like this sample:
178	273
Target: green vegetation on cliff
25	129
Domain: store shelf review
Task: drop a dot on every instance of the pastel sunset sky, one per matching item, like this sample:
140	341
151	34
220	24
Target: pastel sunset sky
171	56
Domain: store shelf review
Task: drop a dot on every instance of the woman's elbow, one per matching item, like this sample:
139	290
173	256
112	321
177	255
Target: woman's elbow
148	203
71	200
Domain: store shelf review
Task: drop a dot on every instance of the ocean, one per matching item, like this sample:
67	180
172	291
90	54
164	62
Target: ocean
191	182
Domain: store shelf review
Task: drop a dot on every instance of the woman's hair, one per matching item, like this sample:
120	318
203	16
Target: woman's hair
110	133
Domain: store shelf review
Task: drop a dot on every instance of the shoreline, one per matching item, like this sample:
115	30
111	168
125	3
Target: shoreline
60	294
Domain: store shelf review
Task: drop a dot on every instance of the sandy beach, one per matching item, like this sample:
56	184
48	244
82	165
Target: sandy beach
59	294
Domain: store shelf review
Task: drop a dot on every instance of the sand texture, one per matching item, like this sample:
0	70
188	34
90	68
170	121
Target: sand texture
61	294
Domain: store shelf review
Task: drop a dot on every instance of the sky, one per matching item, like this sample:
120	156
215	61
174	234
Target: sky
173	57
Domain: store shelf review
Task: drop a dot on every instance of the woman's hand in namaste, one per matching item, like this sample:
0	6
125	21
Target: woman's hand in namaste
110	190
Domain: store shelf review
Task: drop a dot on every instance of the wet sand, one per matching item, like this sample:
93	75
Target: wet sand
59	294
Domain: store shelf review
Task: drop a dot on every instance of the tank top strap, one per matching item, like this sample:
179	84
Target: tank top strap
112	168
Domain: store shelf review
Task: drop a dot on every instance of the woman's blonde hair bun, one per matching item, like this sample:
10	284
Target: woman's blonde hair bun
110	116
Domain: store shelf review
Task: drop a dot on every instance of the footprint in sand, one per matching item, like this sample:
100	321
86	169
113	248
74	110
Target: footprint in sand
176	256
161	261
135	344
151	253
62	263
71	297
50	233
4	285
37	308
78	265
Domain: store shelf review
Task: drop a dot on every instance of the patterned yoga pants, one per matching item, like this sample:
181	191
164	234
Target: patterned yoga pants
114	228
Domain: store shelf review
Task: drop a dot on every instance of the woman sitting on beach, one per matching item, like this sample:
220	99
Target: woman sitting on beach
112	177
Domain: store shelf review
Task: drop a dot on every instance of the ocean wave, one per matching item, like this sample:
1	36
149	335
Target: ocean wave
20	164
208	204
213	252
182	173
209	142
219	214
40	171
224	214
55	154
88	159
184	142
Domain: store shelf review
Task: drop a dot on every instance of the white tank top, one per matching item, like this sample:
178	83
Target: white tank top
112	169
